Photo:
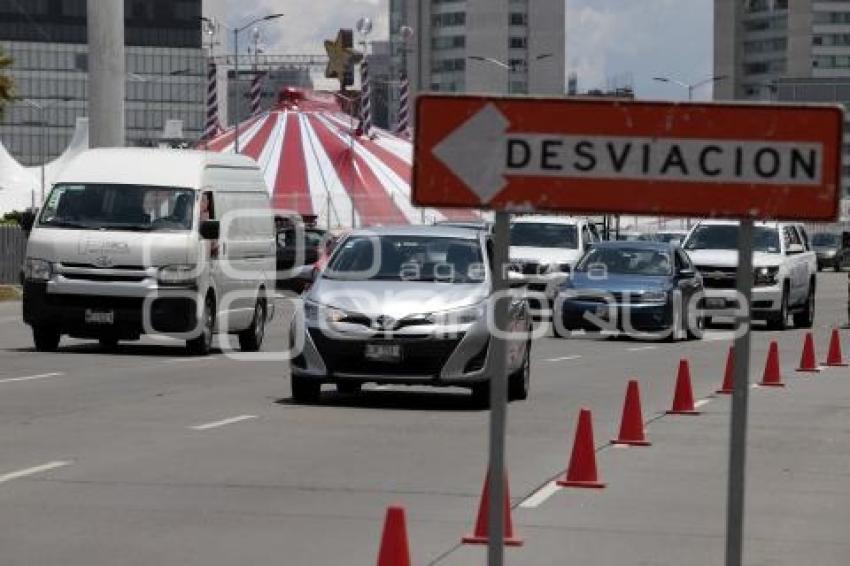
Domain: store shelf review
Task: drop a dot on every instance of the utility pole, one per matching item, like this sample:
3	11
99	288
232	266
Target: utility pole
107	73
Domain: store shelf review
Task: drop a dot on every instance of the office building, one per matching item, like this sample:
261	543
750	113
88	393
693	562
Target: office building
166	72
451	37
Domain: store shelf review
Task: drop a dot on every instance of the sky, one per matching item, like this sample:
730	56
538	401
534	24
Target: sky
609	42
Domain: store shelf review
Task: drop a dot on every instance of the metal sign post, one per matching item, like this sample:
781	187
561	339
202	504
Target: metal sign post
498	395
741	390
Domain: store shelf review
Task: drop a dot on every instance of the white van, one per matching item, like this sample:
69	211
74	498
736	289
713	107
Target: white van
149	241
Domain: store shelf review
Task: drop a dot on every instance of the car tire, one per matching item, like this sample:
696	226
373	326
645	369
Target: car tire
251	339
481	395
806	317
202	344
677	329
698	332
305	389
46	339
349	387
519	381
779	321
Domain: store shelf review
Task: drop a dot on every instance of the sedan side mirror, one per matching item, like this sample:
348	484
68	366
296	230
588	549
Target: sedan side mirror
210	229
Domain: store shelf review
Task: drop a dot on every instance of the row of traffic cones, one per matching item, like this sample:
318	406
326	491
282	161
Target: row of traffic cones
582	471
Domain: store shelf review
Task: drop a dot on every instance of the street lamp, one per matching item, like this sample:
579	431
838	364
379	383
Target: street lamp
146	96
236	32
43	123
510	67
693	86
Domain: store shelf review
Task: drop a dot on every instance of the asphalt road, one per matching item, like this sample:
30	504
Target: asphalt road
144	456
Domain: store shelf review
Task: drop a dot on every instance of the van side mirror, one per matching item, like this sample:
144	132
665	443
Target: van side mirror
210	229
27	221
795	249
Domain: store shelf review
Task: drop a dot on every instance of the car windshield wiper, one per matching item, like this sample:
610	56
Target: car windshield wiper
130	227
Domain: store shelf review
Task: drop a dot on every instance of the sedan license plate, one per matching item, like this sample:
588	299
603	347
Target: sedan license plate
383	352
715	303
100	317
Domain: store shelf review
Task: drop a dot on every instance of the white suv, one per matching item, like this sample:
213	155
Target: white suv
545	249
785	269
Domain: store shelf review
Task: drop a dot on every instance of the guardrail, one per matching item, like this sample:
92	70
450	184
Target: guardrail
13	245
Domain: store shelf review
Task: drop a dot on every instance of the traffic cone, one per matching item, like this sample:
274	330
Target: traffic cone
394	549
728	386
631	426
807	358
482	527
683	398
772	377
582	469
835	358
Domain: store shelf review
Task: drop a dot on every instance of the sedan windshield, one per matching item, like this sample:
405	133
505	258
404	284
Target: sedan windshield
725	237
542	235
408	258
628	261
825	240
118	207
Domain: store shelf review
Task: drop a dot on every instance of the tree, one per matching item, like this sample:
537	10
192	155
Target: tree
7	84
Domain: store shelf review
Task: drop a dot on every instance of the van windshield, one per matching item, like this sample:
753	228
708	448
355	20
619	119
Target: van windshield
118	207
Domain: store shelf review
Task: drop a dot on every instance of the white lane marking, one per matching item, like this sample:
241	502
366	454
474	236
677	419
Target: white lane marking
562	358
191	360
701	403
642	348
382	388
31	377
216	424
537	498
32	471
718	336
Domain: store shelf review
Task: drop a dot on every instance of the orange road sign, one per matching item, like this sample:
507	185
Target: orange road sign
592	156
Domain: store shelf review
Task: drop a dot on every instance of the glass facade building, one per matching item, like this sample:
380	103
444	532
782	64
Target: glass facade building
46	39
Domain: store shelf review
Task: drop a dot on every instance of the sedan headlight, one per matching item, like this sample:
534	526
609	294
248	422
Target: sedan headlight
37	269
315	312
765	276
181	275
465	315
653	297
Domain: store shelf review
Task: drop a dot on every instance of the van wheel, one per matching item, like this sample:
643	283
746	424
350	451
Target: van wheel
806	317
202	344
251	339
305	389
46	339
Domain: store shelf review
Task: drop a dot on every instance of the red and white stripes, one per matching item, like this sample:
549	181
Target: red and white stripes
403	126
365	99
256	92
211	126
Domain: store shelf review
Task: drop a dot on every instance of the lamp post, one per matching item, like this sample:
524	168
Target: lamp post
508	66
147	81
691	86
43	137
236	32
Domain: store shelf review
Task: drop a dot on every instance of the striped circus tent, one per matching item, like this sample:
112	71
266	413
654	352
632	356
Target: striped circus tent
318	164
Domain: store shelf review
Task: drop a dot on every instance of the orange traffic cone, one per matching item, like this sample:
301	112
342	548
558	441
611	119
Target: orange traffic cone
772	377
807	359
835	358
728	386
582	469
631	426
482	526
394	548
683	398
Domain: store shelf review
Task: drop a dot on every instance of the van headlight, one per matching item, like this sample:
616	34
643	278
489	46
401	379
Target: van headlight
37	269
465	315
315	312
181	275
